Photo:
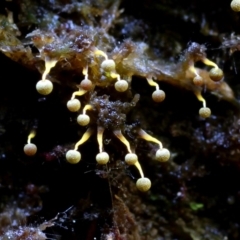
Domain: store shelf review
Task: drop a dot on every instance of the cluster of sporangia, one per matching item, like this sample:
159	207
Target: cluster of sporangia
73	156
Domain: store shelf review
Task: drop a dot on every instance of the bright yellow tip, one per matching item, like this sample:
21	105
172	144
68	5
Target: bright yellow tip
31	136
49	64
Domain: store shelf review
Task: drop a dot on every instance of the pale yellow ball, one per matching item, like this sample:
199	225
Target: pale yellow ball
108	65
158	95
30	149
121	85
73	105
205	112
83	119
143	184
131	158
162	155
235	5
73	156
216	74
102	158
44	87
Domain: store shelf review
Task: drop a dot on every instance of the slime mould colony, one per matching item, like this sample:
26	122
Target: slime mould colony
105	69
